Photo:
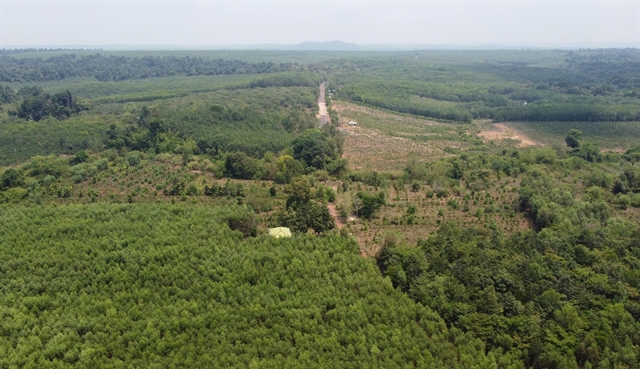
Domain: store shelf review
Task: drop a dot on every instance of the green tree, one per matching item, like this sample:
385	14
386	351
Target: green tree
299	191
11	178
312	148
370	203
241	165
573	138
80	157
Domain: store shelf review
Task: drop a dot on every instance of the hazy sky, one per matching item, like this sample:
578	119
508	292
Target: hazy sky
200	23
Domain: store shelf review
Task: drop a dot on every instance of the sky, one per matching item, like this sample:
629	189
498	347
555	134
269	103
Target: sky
544	23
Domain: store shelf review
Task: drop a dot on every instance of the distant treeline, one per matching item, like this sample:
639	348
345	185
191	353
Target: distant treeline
39	50
591	85
119	68
550	112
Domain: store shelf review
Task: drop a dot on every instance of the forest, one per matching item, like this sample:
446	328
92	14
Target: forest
113	68
582	87
484	212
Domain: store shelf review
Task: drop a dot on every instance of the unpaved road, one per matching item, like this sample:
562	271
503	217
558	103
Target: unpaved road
322	107
340	222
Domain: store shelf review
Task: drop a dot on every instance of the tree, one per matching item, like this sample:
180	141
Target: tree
41	105
241	165
156	126
11	178
588	151
311	147
288	167
80	157
573	138
308	215
299	192
370	203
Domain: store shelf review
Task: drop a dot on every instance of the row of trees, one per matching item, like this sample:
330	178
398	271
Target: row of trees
119	68
569	112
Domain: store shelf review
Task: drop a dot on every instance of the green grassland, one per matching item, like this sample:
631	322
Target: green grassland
619	136
92	89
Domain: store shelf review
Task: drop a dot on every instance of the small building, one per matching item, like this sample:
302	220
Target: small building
280	232
353	124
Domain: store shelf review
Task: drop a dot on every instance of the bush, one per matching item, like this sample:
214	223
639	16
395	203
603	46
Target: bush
102	164
11	178
623	201
80	157
369	204
133	158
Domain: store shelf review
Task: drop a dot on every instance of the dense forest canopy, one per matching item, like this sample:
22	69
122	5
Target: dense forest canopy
174	286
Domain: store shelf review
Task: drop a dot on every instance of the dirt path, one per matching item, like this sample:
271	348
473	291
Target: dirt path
336	216
340	222
322	107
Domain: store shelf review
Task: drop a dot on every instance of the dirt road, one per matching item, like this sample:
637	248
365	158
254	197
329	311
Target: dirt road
340	222
322	107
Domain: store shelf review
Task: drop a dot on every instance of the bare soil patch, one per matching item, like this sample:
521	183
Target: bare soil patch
501	132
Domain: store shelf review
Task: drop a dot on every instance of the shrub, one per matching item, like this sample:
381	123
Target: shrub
134	158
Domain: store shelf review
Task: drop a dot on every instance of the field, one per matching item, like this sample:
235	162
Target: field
387	141
610	136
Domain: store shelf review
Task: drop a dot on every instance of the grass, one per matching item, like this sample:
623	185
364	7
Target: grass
493	204
386	141
616	136
113	91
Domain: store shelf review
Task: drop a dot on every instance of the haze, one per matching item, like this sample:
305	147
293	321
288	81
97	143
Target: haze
208	23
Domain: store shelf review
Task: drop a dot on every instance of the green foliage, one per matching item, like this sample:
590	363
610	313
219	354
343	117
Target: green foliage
588	151
569	112
11	178
313	148
118	68
540	297
60	105
309	215
240	165
80	157
299	191
286	80
573	138
459	86
167	285
370	204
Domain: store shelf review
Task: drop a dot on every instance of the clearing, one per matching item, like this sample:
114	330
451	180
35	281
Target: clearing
385	141
501	132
